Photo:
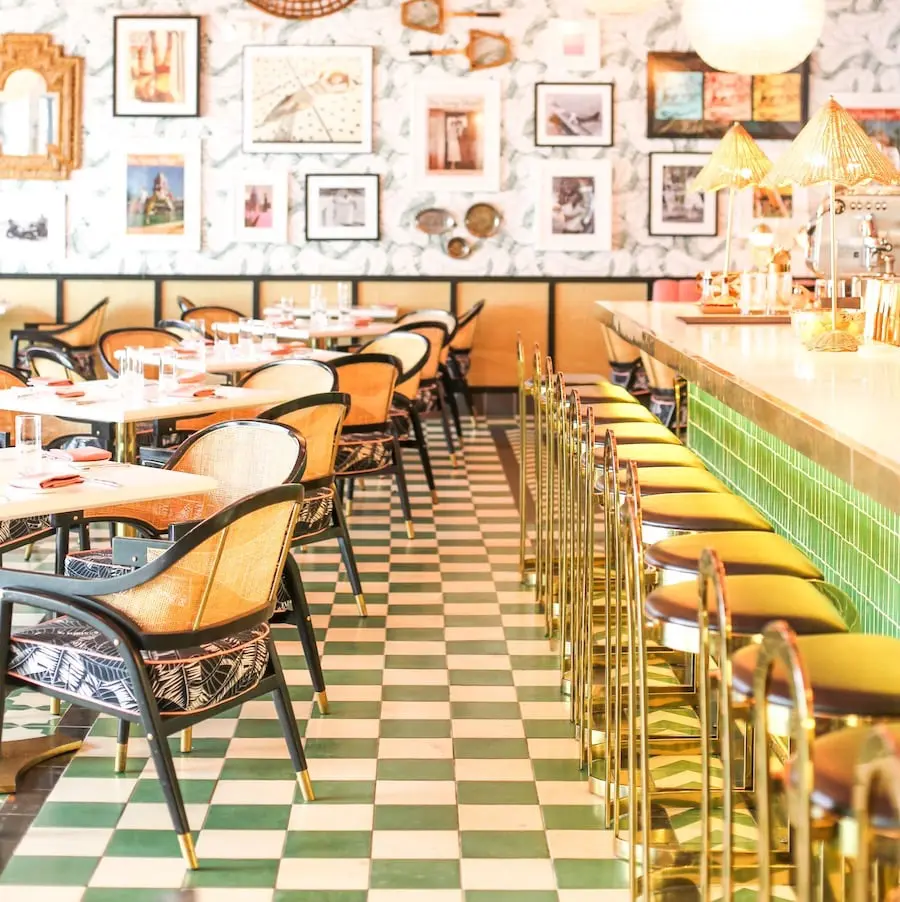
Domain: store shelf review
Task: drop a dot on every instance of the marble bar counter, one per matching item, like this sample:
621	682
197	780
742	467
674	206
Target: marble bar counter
811	439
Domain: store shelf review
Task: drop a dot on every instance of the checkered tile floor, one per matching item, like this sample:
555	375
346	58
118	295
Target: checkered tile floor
445	772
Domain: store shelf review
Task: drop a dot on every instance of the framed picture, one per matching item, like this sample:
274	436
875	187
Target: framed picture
160	196
342	207
456	134
574	208
156	66
301	99
778	206
879	115
573	115
688	99
575	44
674	208
33	223
261	206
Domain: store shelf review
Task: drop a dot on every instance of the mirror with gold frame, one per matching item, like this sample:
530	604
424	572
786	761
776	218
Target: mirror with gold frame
41	93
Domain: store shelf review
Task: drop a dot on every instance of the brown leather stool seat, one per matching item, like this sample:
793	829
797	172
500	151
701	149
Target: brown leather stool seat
658	456
619	412
638	434
603	393
701	512
741	553
661	480
834	757
753	601
849	674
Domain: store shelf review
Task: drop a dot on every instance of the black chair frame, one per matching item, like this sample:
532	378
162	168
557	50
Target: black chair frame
184	304
458	381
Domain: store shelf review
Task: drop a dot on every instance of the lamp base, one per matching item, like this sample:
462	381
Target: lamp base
834	341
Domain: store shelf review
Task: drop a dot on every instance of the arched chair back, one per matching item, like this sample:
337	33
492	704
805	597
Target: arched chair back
84	332
412	349
184	331
184	304
464	339
52	363
665	290
431	315
118	339
210	315
438	340
305	377
319	419
369	380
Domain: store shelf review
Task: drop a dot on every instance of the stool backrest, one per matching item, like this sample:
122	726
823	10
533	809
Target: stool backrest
369	380
412	349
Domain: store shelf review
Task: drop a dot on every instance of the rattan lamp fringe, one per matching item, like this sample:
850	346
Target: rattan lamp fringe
300	9
832	149
735	164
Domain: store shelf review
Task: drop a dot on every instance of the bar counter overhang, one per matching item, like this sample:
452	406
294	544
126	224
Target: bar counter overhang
811	439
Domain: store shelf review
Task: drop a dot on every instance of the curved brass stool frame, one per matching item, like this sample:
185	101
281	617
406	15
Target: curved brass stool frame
526	562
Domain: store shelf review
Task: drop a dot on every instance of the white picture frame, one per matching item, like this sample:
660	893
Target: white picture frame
777	207
455	134
674	210
572	114
574	207
882	124
278	81
260	204
174	223
574	44
33	224
343	207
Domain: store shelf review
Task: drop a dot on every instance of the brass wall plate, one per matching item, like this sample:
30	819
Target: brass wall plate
435	221
483	220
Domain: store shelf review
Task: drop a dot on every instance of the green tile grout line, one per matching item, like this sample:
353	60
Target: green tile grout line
854	540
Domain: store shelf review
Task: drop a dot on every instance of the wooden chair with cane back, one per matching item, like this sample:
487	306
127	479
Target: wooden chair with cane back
210	315
184	304
111	343
459	362
53	364
171	644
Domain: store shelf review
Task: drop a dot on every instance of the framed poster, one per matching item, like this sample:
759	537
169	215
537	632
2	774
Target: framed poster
573	114
456	134
787	206
879	115
686	98
160	196
575	44
261	206
33	221
342	207
574	206
675	210
300	99
156	66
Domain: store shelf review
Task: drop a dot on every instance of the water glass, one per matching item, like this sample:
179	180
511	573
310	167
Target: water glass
28	444
345	300
316	299
287	304
753	292
168	375
221	342
134	360
269	337
245	337
199	326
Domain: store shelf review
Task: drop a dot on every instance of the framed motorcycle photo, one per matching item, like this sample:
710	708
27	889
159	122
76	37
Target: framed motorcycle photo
32	225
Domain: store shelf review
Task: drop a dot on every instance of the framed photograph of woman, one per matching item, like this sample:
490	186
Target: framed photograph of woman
674	208
342	207
156	66
574	207
573	115
456	135
261	206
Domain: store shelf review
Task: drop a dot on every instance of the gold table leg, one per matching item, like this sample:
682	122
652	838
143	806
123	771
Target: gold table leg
125	452
21	755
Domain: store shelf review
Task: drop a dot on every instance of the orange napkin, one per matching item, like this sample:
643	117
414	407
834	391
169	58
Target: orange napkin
189	391
191	378
47	481
185	352
82	455
48	381
69	393
362	320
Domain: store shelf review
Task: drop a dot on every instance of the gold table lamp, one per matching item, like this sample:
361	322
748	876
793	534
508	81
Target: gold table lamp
736	163
832	149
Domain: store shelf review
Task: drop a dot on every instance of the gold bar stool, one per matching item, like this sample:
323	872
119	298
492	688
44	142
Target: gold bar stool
525	389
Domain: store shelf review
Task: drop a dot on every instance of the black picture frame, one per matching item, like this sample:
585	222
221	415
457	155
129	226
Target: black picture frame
606	88
709	229
190	107
695	96
369	181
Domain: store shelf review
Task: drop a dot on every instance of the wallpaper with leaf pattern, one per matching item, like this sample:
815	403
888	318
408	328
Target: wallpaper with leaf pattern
860	50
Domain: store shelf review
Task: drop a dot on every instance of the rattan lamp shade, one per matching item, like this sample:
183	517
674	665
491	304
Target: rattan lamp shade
300	9
736	163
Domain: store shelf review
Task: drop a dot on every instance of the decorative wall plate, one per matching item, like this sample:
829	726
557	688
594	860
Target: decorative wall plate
300	9
435	221
483	220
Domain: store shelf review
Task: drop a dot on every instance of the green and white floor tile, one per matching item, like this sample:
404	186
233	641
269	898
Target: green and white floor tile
445	772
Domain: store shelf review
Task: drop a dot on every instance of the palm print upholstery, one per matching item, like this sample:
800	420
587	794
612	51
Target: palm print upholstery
364	452
315	512
21	528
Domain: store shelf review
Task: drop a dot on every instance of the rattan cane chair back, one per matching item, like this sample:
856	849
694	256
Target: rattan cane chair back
52	428
464	338
118	339
412	349
369	380
303	377
211	315
319	419
52	363
184	304
438	339
85	332
430	315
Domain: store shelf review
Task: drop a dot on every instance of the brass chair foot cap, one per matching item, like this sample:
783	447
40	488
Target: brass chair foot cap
186	841
306	788
322	702
348	508
453	460
410	529
121	758
361	605
55	707
434	497
187	740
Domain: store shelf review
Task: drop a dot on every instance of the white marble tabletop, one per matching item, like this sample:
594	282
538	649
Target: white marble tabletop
133	483
840	409
230	360
376	311
301	330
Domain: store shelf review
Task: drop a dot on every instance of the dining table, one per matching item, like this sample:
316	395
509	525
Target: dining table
319	335
104	483
384	312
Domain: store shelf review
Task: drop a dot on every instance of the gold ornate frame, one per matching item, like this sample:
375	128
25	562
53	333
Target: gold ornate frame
64	76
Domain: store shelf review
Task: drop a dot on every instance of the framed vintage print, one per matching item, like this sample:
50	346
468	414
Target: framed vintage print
33	221
780	207
675	210
879	115
575	44
156	66
300	99
160	196
455	134
342	207
574	206
573	115
261	206
686	98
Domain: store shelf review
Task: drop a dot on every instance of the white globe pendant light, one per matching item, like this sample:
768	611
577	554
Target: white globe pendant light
623	7
762	37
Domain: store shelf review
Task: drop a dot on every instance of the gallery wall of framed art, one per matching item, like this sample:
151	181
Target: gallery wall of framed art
218	139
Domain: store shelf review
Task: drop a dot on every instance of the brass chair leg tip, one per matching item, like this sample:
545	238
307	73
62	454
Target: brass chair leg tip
186	841
55	707
453	460
322	702
361	605
410	529
434	497
306	788
187	741
121	758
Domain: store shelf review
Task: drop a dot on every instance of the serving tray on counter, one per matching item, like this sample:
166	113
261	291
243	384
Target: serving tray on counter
736	319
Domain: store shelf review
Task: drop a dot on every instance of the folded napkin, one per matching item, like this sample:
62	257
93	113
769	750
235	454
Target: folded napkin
48	381
185	352
81	455
69	393
191	378
191	391
362	320
46	481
